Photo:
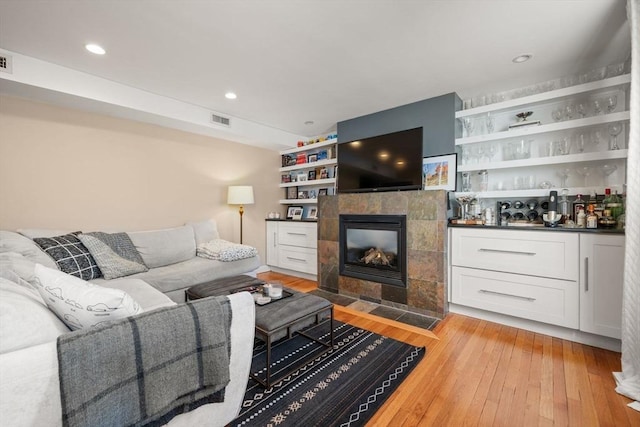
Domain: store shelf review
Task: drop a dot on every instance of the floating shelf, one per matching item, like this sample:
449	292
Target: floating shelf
327	181
311	165
545	161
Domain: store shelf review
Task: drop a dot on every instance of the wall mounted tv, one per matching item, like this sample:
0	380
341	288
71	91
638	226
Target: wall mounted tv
381	163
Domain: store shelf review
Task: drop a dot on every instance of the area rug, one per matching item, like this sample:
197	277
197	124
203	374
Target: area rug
344	387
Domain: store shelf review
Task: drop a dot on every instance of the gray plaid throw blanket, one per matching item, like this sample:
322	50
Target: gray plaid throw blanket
146	369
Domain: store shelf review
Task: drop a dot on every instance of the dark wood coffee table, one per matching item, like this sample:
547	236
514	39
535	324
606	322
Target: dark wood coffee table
277	319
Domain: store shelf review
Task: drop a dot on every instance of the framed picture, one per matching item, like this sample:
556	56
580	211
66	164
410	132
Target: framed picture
302	177
313	194
292	192
324	173
312	175
312	213
312	158
322	192
285	178
303	194
293	211
439	172
322	155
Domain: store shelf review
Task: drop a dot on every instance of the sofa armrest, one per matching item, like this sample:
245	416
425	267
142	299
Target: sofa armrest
30	390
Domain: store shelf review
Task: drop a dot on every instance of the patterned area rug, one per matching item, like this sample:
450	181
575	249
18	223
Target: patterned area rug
344	387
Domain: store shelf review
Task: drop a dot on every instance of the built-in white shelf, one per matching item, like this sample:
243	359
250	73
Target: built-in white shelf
544	97
308	183
551	127
536	192
298	201
544	161
310	165
311	147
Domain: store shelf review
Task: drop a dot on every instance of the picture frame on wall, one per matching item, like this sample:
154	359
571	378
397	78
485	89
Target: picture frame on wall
294	212
439	172
292	193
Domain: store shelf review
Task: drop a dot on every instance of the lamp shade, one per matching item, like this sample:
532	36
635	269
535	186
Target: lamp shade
240	195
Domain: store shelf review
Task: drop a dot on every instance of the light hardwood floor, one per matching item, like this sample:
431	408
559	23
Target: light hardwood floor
478	373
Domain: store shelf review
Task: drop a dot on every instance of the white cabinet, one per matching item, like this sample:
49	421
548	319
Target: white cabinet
292	246
308	171
577	113
529	274
601	283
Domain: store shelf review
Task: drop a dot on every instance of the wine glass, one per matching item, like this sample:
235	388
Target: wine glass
556	115
466	154
564	176
612	101
493	149
469	125
569	111
489	123
597	136
597	107
614	131
581	109
581	140
585	171
607	170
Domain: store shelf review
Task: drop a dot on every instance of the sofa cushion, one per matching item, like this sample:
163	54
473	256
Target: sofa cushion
114	253
71	255
80	304
164	247
25	320
205	231
14	242
147	296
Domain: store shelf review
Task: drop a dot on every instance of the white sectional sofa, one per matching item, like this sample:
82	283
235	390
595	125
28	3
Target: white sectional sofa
29	381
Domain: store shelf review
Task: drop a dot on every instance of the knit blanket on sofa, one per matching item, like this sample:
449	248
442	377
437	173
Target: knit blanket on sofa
223	250
146	369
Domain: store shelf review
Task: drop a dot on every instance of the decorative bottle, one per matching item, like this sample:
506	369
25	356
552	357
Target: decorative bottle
564	206
578	204
592	218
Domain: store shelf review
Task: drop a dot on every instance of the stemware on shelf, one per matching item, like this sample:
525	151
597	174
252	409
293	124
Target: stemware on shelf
597	107
556	115
562	147
585	171
469	125
614	131
564	176
569	111
489	123
493	150
597	136
581	109
607	170
581	141
612	101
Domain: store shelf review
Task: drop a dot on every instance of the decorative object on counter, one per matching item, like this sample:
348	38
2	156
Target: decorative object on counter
439	172
522	120
578	204
464	202
592	218
581	219
273	215
564	206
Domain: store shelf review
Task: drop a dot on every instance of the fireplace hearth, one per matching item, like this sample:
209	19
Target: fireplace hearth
373	247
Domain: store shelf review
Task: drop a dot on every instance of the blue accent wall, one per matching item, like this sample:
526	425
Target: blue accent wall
436	116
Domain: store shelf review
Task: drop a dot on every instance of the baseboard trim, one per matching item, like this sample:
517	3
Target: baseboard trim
294	273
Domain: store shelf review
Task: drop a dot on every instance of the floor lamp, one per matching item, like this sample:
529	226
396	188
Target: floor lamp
240	195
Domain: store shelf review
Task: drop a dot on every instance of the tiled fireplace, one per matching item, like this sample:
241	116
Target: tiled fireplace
423	289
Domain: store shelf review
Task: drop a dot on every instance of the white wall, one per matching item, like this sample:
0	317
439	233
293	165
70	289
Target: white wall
68	169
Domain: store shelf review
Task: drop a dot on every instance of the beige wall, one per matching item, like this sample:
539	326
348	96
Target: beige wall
68	169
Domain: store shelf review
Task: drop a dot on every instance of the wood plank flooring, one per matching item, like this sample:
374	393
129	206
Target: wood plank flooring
478	373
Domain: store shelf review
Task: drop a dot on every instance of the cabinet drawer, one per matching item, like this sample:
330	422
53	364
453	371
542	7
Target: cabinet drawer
542	253
301	234
535	298
298	259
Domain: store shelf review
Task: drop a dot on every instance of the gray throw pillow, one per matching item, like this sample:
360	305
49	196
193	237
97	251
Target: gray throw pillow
71	256
114	253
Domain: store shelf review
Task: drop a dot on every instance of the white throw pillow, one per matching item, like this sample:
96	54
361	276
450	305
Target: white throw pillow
79	304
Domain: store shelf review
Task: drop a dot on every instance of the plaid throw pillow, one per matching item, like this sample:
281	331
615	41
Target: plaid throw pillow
71	256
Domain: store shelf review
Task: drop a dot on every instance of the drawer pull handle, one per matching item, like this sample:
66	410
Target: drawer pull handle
296	259
297	234
506	252
486	291
586	274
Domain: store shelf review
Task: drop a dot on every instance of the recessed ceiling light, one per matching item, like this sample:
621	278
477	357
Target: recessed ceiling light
94	48
522	58
230	95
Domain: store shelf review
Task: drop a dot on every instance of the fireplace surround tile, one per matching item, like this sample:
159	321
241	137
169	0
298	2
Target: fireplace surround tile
426	248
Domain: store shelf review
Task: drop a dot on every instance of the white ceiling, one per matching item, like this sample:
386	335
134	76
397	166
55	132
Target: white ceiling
292	61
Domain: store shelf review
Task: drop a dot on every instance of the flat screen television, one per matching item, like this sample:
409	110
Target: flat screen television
388	162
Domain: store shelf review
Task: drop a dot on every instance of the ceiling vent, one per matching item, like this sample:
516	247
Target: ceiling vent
6	63
219	120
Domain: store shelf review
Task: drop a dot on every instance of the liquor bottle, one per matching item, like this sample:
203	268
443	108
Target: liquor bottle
592	218
581	218
614	204
578	204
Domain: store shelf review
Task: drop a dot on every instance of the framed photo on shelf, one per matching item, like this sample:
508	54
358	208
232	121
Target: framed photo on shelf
294	211
285	178
312	213
303	194
322	192
439	172
313	194
324	173
312	158
312	175
292	193
322	155
302	177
